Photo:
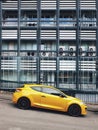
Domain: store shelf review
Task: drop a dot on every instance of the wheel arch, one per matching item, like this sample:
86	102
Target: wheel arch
71	111
71	104
24	97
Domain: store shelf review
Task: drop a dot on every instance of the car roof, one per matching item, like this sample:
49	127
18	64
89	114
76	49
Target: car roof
41	85
37	85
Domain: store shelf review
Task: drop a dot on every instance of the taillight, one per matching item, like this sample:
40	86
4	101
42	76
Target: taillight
18	89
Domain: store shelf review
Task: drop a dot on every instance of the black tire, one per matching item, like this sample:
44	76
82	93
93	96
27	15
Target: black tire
23	103
74	110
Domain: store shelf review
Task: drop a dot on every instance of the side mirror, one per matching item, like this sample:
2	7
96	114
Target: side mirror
62	96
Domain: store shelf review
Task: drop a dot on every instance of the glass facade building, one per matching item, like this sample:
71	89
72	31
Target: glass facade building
53	42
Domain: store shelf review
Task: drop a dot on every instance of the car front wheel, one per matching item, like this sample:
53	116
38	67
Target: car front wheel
23	103
74	110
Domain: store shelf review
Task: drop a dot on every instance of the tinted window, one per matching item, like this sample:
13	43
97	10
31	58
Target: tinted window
36	88
51	91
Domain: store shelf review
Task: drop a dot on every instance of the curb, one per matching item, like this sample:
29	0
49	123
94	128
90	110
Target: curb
92	107
5	95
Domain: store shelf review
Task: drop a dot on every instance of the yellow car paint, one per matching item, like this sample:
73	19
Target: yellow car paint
42	96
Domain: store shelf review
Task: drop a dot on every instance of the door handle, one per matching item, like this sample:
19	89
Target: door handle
43	96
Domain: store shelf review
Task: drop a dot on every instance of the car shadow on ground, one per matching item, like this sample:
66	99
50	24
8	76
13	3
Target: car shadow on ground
47	111
44	110
96	112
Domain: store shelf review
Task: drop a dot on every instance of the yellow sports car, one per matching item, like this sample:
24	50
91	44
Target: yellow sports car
42	96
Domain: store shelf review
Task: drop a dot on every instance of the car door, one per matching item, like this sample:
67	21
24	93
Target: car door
53	99
36	96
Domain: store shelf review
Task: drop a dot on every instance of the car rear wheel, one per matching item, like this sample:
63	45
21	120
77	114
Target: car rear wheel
23	103
74	110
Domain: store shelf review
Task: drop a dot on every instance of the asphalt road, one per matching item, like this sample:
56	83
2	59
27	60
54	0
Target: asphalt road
12	118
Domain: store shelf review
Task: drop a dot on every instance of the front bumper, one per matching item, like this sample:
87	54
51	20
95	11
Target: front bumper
84	110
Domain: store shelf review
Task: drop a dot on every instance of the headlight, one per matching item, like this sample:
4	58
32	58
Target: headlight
82	103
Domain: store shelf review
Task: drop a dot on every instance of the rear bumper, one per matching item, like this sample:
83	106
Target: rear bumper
15	98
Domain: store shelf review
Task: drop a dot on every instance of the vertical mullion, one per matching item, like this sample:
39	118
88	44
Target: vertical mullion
77	43
57	42
0	37
18	29
38	39
18	40
97	44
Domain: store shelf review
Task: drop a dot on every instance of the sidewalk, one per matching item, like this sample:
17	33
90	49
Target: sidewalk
8	96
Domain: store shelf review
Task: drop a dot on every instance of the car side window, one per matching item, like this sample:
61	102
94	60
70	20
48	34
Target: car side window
51	91
37	88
